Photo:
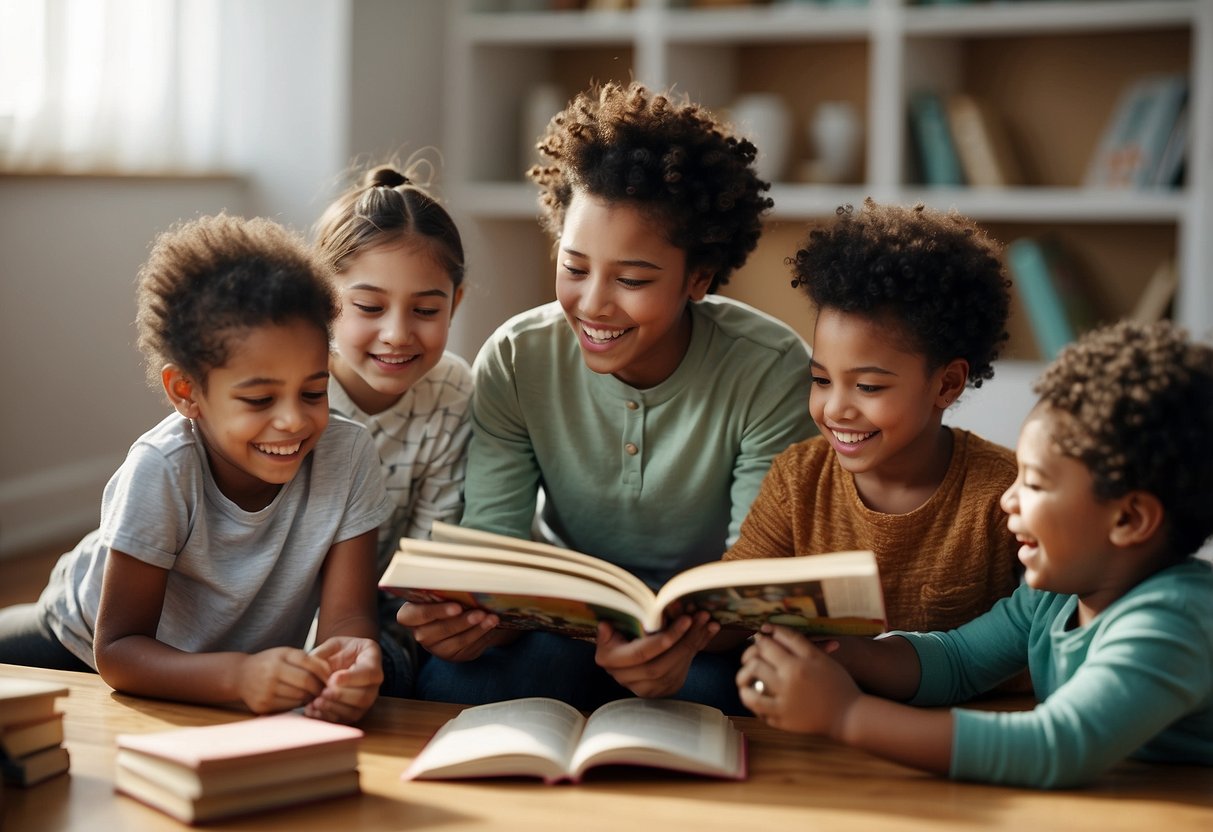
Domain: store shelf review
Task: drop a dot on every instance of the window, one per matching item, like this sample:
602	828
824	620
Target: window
115	86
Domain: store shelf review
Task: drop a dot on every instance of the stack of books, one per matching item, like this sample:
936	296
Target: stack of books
31	731
215	771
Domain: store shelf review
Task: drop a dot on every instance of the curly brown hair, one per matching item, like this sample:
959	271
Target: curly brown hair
207	279
672	158
1139	399
936	275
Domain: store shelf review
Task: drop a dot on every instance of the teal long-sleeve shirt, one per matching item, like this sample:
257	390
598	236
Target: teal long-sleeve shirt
1137	681
655	480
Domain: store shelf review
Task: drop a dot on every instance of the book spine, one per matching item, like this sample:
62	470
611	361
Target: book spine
1032	275
937	150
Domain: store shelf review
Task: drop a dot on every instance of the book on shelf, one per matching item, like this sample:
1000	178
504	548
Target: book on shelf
537	586
546	738
938	160
211	771
31	731
1130	152
1053	294
987	157
1155	300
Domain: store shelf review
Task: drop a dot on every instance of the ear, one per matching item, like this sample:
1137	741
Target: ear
180	391
952	380
456	300
698	283
1139	516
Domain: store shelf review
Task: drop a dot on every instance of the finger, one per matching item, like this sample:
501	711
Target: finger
621	653
417	615
467	645
469	626
791	641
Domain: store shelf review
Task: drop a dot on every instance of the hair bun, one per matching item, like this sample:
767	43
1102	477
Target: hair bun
387	177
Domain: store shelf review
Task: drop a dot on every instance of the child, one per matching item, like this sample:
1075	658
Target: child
646	412
911	308
398	263
1115	621
243	512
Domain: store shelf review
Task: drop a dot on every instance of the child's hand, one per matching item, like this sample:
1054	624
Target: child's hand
450	632
354	680
654	665
803	689
280	679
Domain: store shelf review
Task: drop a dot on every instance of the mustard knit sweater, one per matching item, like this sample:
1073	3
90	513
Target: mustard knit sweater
942	564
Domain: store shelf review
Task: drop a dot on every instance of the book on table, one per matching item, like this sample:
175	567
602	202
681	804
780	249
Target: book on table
546	738
31	731
205	772
536	586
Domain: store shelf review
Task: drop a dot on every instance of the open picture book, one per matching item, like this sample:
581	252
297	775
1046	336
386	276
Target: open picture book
536	586
540	737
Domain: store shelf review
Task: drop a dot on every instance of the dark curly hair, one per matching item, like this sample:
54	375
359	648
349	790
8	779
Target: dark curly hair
673	159
389	207
937	275
207	279
1139	399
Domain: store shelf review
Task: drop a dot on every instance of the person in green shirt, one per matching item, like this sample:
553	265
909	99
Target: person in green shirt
642	408
1114	621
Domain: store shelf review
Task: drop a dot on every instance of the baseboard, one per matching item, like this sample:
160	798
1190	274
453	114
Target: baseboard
52	505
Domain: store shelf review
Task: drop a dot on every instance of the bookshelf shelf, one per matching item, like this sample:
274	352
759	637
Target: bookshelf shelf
1054	67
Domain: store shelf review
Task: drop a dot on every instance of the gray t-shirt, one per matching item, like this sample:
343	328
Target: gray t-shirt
238	580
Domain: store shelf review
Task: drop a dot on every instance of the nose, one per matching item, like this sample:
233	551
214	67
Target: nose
837	406
289	417
395	330
597	298
1007	501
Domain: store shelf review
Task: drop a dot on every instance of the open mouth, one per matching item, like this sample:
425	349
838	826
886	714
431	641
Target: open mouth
851	437
602	336
284	450
394	361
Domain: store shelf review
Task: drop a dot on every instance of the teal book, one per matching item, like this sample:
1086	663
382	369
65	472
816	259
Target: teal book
1058	309
937	155
1131	149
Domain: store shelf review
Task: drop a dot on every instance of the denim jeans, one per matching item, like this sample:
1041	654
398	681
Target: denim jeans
544	664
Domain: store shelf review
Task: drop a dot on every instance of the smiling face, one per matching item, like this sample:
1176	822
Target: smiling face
1062	527
396	308
876	403
262	412
624	290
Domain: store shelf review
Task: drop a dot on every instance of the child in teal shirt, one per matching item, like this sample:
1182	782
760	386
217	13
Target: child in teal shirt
1115	620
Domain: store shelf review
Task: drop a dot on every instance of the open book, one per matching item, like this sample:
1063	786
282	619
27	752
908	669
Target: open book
535	586
539	737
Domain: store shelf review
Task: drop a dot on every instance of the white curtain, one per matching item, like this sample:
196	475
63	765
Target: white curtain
113	86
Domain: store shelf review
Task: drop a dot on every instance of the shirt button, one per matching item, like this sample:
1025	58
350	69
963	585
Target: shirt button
631	449
631	405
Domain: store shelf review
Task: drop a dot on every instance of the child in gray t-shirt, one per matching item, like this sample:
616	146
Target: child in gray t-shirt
238	517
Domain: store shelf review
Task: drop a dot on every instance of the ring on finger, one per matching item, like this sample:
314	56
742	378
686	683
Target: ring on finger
760	687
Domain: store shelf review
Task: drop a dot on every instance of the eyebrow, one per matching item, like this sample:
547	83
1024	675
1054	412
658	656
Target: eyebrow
856	370
259	381
636	264
367	287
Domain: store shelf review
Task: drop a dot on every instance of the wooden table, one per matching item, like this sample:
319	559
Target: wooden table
796	783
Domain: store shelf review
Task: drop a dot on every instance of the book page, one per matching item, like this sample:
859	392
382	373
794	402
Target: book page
538	728
523	597
656	732
497	545
835	593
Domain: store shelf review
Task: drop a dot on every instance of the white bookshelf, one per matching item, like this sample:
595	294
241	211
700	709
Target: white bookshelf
873	55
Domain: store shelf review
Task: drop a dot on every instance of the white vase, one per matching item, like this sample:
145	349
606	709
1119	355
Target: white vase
539	104
764	119
835	135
